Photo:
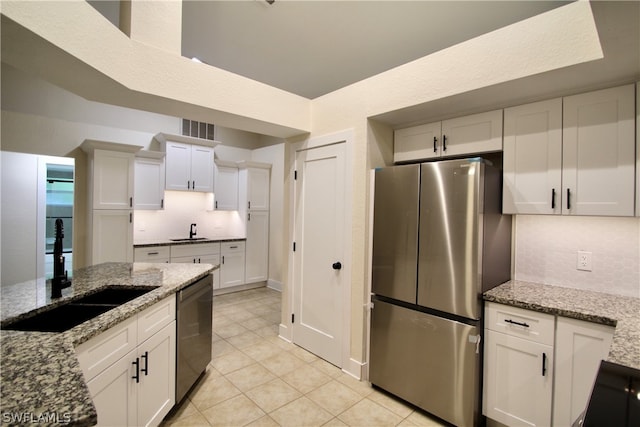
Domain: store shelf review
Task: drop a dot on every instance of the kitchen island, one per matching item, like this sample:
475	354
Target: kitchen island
41	380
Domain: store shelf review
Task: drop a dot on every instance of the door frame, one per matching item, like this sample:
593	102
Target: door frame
286	332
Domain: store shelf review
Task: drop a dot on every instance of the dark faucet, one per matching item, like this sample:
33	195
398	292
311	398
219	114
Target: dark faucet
192	231
60	279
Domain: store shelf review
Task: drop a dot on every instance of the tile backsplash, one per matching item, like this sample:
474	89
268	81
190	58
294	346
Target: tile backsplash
546	251
182	208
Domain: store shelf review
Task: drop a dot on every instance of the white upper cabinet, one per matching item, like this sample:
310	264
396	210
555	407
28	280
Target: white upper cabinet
412	143
113	177
477	133
598	150
571	156
533	158
189	167
226	186
149	181
188	162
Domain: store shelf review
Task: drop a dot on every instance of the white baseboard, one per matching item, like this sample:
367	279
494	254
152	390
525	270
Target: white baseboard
284	332
275	285
356	369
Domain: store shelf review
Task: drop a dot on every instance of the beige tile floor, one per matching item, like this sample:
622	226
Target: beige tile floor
257	379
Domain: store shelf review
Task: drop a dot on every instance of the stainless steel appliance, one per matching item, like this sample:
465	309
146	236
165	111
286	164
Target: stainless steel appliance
439	241
194	315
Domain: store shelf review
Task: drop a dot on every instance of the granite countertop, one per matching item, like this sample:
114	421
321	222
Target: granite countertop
613	310
40	378
169	242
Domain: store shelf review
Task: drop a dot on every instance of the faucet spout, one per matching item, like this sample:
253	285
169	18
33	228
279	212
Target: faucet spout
192	231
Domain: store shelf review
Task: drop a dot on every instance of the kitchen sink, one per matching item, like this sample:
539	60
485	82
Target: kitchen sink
73	313
114	295
187	239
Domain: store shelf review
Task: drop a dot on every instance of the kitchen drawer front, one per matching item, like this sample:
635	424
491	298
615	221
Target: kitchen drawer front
103	350
156	317
228	247
152	254
518	322
194	250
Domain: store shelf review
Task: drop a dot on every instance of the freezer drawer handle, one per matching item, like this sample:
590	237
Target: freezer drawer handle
337	265
513	322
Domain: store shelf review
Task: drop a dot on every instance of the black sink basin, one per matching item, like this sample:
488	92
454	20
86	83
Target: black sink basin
61	318
114	295
73	313
187	239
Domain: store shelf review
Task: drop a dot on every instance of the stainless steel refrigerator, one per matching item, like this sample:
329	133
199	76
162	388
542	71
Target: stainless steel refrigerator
439	242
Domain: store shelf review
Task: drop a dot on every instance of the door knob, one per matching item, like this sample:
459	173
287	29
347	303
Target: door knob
337	265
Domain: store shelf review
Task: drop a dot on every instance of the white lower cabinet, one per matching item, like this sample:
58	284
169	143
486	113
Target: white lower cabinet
200	253
130	368
232	264
534	362
152	254
257	247
518	366
580	348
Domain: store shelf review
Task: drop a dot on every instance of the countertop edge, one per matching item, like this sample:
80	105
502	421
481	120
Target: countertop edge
186	242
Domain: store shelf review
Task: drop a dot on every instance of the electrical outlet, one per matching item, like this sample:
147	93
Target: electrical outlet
584	261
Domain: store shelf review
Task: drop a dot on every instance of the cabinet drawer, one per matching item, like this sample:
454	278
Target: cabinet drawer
103	350
229	247
192	250
152	254
156	317
518	322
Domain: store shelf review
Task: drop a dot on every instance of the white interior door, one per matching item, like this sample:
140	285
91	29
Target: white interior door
319	238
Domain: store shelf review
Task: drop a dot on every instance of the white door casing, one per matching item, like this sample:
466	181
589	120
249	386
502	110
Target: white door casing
320	295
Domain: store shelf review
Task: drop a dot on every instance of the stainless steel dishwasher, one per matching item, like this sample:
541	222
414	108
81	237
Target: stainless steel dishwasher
194	305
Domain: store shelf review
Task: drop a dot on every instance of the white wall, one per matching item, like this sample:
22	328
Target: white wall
19	198
546	249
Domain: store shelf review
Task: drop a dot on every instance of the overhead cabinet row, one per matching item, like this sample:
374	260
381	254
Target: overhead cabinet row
574	155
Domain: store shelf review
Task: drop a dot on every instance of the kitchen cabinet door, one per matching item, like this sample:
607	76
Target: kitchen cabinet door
202	168
477	133
258	183
113	178
112	236
518	380
156	390
532	158
114	394
178	166
580	347
417	143
226	187
598	176
232	264
257	247
149	184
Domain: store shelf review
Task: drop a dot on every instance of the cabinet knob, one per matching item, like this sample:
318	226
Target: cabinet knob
337	265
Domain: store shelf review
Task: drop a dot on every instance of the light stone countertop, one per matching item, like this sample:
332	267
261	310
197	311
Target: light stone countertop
169	242
613	310
40	378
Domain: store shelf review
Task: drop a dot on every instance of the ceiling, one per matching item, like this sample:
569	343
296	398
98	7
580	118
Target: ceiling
311	48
